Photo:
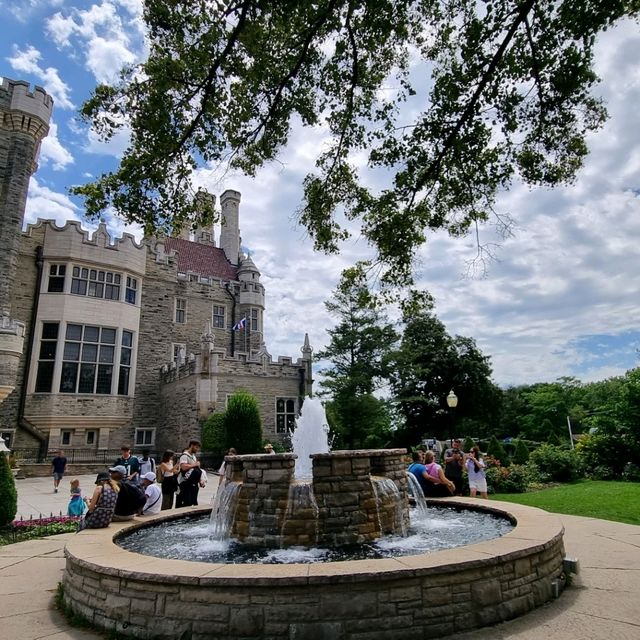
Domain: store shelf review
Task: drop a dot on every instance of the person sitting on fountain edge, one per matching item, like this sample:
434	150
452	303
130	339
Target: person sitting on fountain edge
418	469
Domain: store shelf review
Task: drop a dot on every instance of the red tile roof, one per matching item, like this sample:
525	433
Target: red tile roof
202	259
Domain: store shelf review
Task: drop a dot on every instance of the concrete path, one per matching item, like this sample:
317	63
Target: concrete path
602	602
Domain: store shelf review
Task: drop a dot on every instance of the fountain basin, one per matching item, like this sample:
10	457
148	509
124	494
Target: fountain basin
450	591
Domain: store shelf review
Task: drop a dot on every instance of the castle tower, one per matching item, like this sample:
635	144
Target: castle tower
230	232
206	203
24	122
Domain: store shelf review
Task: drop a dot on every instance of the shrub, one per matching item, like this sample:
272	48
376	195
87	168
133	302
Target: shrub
521	454
562	465
513	479
599	455
214	435
242	424
468	444
496	450
631	472
8	493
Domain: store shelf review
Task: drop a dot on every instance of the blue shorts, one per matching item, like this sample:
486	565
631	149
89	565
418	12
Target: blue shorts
57	476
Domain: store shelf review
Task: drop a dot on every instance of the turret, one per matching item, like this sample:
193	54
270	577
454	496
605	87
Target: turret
24	122
206	205
307	381
230	231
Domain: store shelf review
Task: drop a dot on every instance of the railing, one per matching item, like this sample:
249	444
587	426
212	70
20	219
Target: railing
104	457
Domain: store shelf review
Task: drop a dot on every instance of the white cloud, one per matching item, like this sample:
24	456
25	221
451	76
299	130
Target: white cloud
53	152
26	61
105	37
45	203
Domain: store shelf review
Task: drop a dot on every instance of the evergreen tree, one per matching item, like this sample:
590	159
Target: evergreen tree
521	454
8	493
496	450
242	424
358	352
214	435
468	444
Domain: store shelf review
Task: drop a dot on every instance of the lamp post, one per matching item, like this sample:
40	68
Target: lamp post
452	403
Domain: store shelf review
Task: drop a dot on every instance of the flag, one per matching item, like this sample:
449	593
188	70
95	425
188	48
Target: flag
241	324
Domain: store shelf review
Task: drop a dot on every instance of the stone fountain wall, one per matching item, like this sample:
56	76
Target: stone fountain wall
350	511
342	504
437	594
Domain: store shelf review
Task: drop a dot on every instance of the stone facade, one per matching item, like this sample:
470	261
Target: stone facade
24	122
128	319
439	593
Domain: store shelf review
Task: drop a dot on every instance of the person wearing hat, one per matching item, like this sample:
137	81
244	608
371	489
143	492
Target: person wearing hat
102	504
268	448
152	493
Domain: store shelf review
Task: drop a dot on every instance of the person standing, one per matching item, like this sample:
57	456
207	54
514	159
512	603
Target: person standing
454	465
58	467
189	478
169	479
130	463
476	470
147	464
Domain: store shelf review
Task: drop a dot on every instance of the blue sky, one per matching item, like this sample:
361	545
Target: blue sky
562	298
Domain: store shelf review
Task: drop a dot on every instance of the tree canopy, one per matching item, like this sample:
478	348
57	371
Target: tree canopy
430	363
495	90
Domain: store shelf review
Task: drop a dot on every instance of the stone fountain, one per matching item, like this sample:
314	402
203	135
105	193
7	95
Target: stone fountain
351	496
313	496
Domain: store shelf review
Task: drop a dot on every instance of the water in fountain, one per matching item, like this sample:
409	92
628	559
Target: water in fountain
388	499
416	491
223	510
301	506
310	436
186	539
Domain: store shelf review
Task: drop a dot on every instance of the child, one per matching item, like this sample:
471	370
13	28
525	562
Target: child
77	505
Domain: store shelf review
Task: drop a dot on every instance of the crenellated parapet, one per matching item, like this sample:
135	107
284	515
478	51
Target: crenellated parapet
71	241
25	111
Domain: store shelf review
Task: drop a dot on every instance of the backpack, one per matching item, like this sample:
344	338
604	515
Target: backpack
130	499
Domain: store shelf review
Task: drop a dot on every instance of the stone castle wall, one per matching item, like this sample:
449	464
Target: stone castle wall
23	300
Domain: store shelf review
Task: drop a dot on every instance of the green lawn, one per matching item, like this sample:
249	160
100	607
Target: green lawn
619	501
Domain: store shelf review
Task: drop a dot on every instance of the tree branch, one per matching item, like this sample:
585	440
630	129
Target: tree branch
434	167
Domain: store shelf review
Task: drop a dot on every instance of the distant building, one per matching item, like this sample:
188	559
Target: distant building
108	341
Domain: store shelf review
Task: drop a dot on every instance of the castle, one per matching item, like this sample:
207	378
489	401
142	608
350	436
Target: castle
105	341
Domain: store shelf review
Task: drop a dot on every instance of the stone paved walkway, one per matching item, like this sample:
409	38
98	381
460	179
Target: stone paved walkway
602	603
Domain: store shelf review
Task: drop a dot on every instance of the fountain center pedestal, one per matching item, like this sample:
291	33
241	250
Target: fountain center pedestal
352	497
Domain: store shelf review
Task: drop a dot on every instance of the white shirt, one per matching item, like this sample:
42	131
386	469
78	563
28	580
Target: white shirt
186	458
154	499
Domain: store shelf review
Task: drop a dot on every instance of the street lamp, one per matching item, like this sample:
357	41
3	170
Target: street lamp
452	403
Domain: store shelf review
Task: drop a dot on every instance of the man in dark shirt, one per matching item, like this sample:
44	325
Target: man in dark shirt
130	463
454	464
58	467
